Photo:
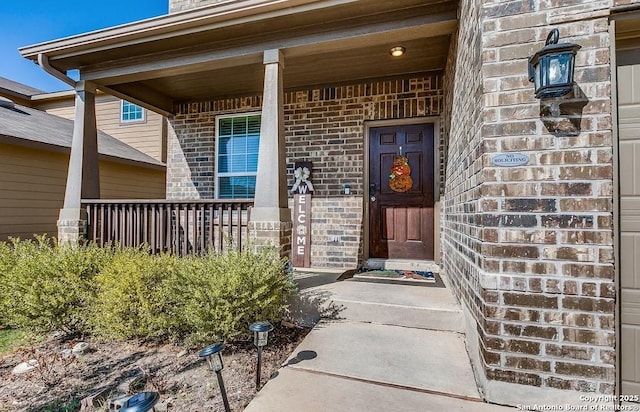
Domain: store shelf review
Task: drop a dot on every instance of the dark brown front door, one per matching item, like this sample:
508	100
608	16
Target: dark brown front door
401	223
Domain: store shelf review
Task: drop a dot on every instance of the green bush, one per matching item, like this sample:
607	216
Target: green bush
7	262
229	291
139	295
46	286
115	293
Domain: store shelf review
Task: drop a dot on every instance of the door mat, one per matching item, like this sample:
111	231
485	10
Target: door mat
399	275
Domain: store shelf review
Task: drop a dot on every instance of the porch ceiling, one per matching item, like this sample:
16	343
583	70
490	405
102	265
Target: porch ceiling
215	52
315	69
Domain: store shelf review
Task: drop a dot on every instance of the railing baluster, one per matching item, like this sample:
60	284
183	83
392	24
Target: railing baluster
239	213
109	225
132	225
179	227
161	228
211	237
194	229
230	227
219	231
123	225
138	228
102	227
203	220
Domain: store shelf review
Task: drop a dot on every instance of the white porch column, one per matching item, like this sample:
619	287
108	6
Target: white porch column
271	217
83	180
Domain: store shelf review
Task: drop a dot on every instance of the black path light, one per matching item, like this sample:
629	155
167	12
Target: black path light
551	69
213	354
260	338
140	402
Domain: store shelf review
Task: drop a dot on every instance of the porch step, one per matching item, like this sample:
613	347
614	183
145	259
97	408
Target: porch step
403	264
391	304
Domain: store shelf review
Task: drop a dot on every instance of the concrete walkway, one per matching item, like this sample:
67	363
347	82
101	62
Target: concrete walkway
381	355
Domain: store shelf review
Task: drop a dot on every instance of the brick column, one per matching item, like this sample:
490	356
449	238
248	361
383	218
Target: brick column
528	249
271	217
83	179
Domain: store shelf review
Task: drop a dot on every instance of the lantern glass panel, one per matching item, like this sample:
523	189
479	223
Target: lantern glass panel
559	69
537	79
260	338
215	362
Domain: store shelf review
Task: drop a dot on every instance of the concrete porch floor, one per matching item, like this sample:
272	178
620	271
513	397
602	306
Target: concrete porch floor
380	354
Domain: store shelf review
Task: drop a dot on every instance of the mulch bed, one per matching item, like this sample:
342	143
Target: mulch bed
184	381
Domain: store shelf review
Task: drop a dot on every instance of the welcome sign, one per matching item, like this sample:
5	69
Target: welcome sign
301	239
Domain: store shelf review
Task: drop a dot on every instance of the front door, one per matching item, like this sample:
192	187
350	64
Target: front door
400	209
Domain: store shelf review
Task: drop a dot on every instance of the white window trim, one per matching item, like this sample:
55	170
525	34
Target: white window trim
122	121
216	174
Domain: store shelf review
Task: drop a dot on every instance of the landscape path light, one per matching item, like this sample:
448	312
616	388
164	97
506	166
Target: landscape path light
141	402
213	354
551	69
260	338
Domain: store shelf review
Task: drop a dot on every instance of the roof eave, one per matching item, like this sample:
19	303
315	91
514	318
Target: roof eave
181	23
50	147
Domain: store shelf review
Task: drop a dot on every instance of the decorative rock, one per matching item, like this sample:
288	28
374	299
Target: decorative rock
97	399
80	348
66	353
25	367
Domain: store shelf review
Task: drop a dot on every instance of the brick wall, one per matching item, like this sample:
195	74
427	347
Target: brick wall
180	5
529	249
625	2
461	220
322	125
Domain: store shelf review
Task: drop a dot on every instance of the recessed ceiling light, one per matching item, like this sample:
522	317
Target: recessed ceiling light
397	51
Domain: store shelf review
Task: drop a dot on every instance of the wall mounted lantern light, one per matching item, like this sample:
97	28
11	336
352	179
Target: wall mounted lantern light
551	69
213	354
260	338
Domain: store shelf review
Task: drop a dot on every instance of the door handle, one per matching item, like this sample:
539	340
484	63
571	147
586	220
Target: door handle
372	191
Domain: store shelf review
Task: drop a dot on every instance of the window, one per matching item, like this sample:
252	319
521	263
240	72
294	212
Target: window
238	138
131	112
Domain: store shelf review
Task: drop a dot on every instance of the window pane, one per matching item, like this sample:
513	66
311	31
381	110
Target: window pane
225	188
223	164
238	145
224	145
239	125
225	127
253	142
237	187
252	162
131	112
253	125
239	163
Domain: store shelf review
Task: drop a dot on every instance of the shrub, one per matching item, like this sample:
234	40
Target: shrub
229	291
127	293
139	295
46	286
197	299
7	262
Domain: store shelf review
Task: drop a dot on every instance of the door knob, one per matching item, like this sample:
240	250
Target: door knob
372	192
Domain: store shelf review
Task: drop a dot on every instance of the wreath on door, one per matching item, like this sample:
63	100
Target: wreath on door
400	177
